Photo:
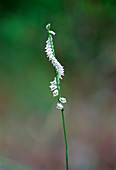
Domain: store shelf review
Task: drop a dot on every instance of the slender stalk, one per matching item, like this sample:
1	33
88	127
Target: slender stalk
65	138
50	48
63	122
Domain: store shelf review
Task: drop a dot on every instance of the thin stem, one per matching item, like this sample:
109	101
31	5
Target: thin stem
63	122
59	95
65	138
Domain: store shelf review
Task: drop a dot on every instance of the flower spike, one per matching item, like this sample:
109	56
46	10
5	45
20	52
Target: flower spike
55	84
59	69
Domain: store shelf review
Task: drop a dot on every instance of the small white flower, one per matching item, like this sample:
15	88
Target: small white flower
48	41
53	82
50	57
60	69
62	100
52	32
55	93
54	61
47	45
49	53
53	87
59	106
48	50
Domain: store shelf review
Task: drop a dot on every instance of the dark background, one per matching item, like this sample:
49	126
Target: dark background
31	135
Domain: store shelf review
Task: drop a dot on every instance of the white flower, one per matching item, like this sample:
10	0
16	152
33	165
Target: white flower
55	93
52	32
48	41
59	106
48	51
47	46
53	82
50	57
53	87
54	61
62	100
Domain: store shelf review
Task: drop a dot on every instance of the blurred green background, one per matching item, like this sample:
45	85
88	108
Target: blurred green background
31	134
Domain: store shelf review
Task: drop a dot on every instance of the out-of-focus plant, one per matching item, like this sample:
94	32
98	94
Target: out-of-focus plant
55	84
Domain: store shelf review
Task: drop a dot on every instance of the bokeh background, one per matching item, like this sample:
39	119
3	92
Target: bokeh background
31	135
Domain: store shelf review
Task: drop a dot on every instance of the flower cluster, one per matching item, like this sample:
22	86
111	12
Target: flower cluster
49	49
55	84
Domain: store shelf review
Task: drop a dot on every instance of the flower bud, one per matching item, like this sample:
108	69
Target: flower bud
62	100
59	106
55	93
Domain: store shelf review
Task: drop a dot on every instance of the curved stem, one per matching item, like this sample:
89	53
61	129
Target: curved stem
65	137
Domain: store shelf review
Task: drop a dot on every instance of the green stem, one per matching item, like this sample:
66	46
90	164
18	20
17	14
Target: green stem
59	95
63	121
65	138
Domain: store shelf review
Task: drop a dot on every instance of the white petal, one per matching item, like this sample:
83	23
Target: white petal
60	69
62	100
52	32
53	87
47	46
49	52
53	82
48	41
54	61
50	57
59	106
55	93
